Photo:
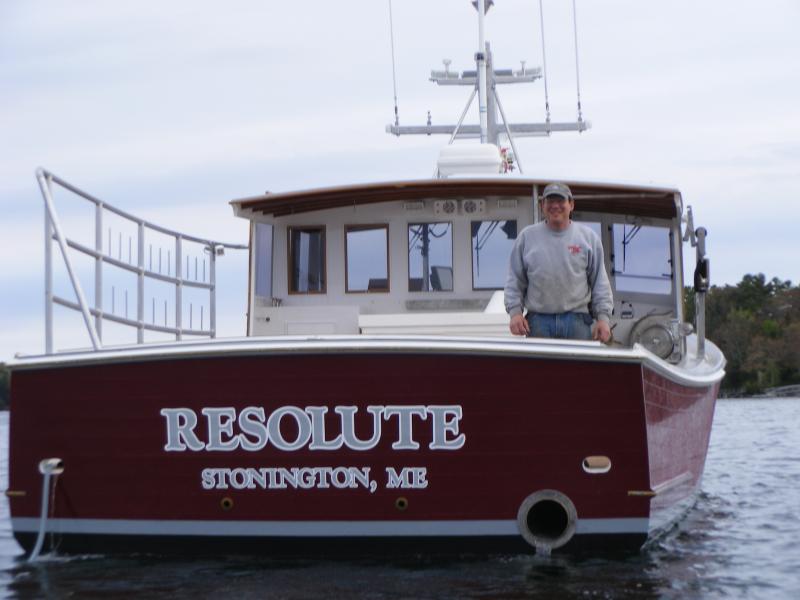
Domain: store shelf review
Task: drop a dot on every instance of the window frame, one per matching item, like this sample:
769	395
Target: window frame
257	248
613	273
410	224
608	220
366	227
290	261
471	256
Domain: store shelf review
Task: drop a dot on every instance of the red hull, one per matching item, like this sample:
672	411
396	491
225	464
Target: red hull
528	423
678	431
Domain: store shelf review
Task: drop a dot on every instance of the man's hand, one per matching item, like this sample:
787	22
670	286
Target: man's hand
601	332
519	325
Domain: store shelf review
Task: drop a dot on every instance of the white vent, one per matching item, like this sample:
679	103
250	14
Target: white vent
473	206
414	205
507	203
445	207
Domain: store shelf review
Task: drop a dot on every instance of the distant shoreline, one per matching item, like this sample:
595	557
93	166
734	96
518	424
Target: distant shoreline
759	397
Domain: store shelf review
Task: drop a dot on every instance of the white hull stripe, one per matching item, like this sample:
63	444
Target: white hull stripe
312	528
693	373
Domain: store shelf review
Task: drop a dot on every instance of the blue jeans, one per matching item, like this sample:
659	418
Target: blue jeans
565	326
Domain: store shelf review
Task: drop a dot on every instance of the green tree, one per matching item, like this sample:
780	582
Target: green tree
756	323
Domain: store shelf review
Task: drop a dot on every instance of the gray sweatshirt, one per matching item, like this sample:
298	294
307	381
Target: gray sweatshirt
558	271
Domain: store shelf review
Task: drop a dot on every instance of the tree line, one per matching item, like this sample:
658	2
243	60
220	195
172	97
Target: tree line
756	324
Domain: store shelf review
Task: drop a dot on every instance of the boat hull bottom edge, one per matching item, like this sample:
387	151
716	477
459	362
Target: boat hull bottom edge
323	547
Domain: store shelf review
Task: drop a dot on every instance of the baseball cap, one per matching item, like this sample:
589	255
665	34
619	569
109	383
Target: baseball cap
557	189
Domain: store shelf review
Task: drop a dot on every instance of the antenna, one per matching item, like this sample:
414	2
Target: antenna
480	59
577	68
394	71
544	64
484	81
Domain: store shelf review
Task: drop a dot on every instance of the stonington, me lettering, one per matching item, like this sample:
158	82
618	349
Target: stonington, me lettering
280	478
252	429
304	478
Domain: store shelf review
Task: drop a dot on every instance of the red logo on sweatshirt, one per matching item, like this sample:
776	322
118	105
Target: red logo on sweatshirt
574	249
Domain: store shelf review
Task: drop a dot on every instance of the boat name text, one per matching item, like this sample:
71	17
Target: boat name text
251	429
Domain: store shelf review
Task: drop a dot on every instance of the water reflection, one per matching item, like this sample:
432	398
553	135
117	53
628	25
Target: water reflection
496	577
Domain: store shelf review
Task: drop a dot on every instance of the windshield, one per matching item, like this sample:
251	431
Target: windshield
642	259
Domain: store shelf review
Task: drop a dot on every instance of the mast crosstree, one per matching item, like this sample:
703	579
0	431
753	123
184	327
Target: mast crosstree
485	80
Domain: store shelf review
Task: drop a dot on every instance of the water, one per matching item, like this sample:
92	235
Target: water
741	540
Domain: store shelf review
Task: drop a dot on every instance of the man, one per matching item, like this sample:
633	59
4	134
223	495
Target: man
556	273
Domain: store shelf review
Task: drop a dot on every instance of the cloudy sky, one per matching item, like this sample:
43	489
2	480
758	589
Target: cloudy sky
171	109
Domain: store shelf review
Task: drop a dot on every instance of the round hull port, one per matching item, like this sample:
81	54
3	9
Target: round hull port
546	519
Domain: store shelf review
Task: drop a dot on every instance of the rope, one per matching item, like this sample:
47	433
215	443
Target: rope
544	63
394	74
577	68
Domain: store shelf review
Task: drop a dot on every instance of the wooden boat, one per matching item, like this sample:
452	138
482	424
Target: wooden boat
379	402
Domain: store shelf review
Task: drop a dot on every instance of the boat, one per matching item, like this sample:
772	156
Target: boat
378	402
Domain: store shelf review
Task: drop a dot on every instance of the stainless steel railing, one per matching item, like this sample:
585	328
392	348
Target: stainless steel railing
93	316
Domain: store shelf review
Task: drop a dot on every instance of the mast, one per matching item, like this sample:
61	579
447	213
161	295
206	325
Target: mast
480	59
485	80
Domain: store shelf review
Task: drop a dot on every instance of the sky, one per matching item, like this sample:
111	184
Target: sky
169	110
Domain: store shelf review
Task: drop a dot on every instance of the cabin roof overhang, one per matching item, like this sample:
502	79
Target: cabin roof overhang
629	199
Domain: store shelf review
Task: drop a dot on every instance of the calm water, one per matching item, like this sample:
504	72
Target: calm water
741	540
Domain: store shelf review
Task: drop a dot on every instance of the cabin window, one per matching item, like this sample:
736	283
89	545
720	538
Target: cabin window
307	260
263	260
492	242
367	258
430	257
642	259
